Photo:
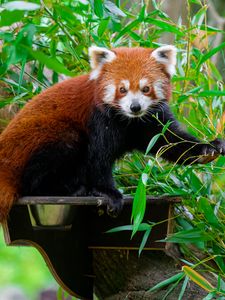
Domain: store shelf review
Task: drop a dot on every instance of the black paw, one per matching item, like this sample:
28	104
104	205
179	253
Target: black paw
115	204
114	200
212	150
219	146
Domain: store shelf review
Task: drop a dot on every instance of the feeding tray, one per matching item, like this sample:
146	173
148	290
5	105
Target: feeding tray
65	230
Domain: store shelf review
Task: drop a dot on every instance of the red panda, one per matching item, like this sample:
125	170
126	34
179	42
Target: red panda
65	140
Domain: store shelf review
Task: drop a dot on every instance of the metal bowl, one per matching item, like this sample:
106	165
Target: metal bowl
51	215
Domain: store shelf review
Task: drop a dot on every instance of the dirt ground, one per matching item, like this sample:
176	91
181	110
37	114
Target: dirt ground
122	275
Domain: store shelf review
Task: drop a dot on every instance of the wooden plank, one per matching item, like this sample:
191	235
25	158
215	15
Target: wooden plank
95	201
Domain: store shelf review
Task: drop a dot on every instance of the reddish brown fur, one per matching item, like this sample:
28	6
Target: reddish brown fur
133	64
49	115
41	121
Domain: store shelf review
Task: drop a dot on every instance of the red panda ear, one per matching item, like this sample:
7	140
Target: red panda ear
166	55
99	56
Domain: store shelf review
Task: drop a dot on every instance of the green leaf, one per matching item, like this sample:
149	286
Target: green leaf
142	227
184	286
189	236
20	5
152	142
195	182
50	62
166	282
142	13
166	126
196	2
210	296
198	279
144	240
6	36
7	18
199	16
211	93
210	28
210	54
60	294
165	26
98	8
205	207
103	26
127	29
139	204
114	9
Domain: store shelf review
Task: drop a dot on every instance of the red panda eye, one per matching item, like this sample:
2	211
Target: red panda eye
146	89
123	90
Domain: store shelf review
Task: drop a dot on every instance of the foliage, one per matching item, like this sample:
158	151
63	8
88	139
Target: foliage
17	265
46	41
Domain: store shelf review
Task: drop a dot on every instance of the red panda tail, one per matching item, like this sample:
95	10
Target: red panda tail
8	195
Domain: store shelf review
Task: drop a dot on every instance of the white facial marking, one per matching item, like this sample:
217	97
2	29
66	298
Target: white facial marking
142	83
158	88
166	55
109	93
126	84
138	97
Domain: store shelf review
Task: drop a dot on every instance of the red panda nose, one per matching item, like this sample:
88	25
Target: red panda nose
135	107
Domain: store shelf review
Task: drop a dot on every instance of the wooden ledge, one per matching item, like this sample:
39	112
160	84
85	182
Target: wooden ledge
85	201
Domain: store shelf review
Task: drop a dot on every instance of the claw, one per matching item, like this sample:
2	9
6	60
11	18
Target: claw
114	207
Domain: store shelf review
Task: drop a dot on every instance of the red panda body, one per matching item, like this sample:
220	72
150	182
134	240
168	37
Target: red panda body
65	140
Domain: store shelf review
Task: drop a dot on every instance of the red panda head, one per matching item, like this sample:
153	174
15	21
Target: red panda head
133	80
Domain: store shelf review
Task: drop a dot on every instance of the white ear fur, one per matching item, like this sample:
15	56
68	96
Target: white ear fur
99	56
166	55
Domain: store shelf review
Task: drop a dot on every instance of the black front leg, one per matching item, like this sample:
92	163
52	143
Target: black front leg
104	142
102	184
177	145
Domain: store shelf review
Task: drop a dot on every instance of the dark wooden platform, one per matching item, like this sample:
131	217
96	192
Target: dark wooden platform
67	249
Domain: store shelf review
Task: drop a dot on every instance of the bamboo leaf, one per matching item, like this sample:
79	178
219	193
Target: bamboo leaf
184	286
98	8
211	93
50	62
20	5
102	26
189	236
165	26
210	54
139	205
114	9
207	210
152	143
198	279
144	240
142	227
127	29
210	296
166	282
